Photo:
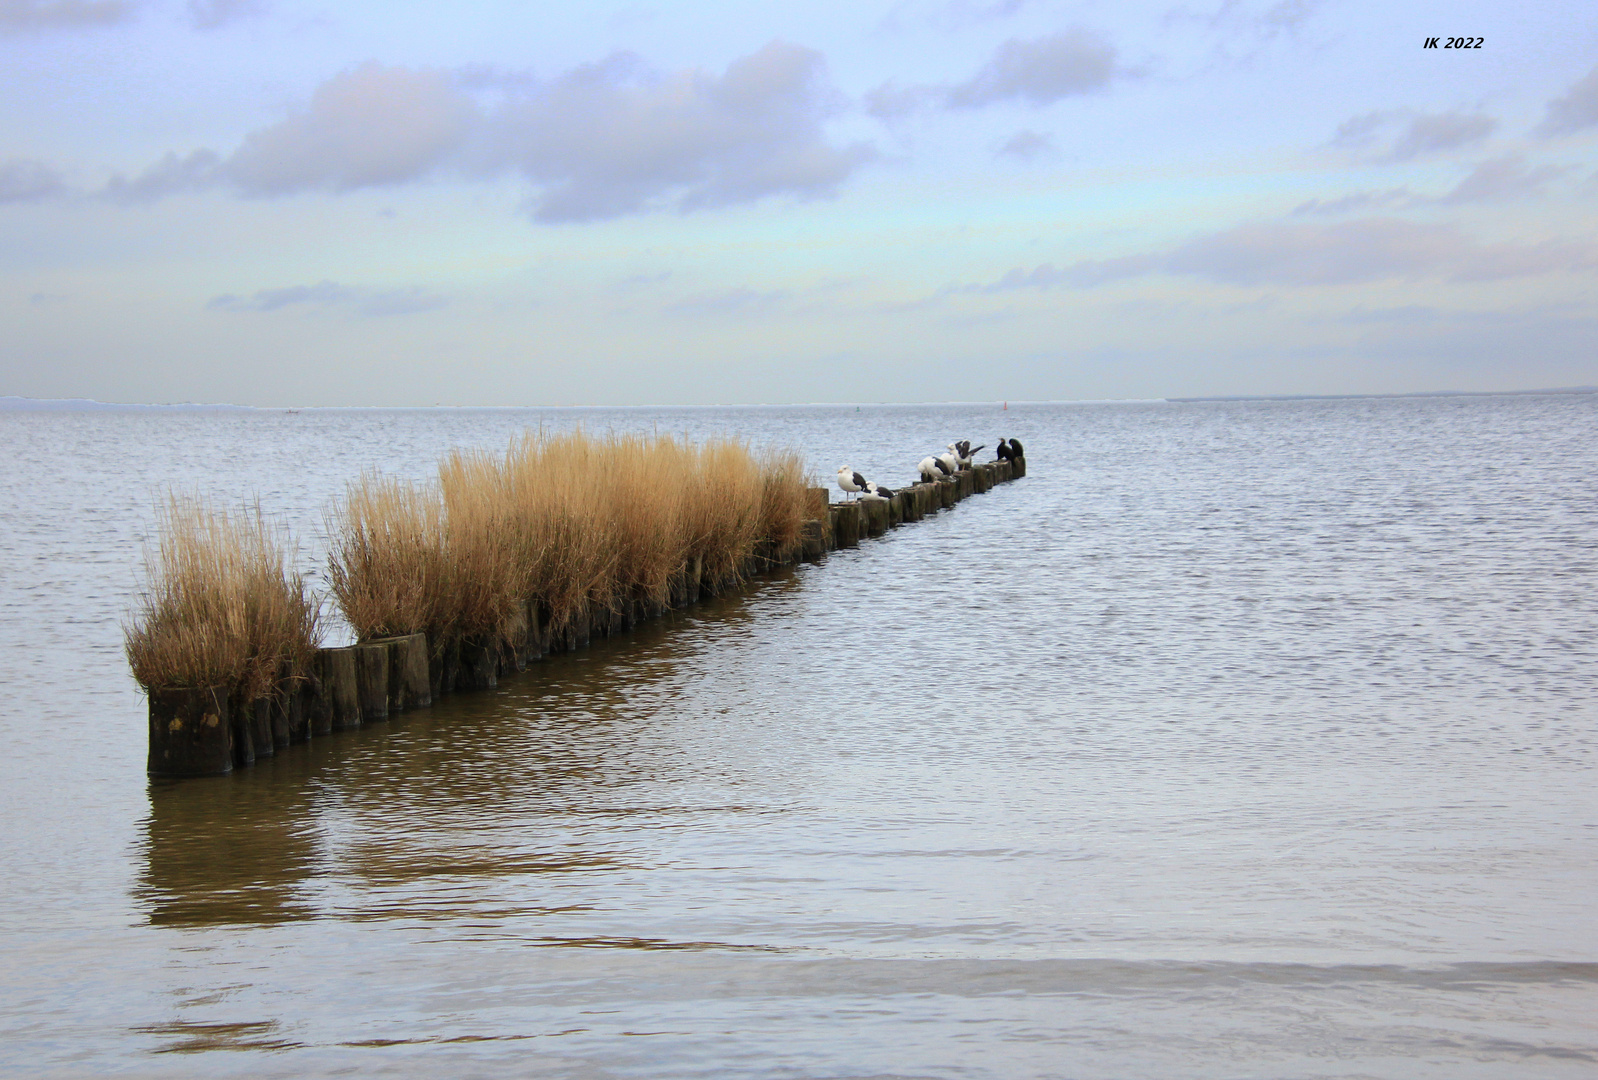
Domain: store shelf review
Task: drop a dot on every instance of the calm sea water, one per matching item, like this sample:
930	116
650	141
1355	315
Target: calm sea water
1237	740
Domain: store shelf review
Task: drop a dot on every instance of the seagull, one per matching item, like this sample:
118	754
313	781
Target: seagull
950	463
929	468
962	452
850	480
877	491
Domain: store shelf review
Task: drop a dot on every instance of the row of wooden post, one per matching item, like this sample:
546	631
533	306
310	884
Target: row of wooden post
207	731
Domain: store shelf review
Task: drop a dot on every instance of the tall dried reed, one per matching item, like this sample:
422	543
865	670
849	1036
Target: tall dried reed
387	564
563	521
783	501
222	607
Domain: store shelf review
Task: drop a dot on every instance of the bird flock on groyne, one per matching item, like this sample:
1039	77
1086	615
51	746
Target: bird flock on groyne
504	559
957	456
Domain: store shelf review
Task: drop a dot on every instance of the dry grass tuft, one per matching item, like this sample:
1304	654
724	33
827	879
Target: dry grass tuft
387	563
561	521
222	607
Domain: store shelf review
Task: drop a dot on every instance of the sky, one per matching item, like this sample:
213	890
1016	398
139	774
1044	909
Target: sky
294	203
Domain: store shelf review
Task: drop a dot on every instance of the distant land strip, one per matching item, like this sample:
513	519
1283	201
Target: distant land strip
1411	394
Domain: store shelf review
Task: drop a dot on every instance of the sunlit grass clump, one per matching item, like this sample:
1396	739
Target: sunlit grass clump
222	606
566	524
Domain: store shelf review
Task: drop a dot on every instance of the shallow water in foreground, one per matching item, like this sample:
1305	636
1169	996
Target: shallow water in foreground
1237	740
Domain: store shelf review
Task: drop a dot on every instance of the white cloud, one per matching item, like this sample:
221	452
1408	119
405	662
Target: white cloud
1359	201
1502	178
740	301
330	294
1496	179
1026	145
21	15
602	140
1578	109
1041	70
211	14
367	127
617	138
1423	134
168	176
1437	132
1290	254
1366	249
28	181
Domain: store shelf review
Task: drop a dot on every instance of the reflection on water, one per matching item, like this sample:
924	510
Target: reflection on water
197	1038
1237	739
420	816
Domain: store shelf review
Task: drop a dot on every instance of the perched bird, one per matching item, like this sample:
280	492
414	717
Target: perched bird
1004	452
929	469
950	463
877	491
850	480
963	452
1015	448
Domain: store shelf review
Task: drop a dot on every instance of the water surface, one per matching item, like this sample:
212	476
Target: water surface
1245	739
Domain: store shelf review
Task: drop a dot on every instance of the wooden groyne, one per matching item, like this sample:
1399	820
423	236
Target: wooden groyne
205	731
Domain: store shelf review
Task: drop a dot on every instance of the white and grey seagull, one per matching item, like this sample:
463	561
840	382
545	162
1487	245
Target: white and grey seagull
851	481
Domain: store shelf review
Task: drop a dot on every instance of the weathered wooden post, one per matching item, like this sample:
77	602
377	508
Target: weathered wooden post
254	715
1018	467
903	507
948	492
315	705
409	675
873	516
537	630
335	669
371	680
189	732
288	721
241	722
813	541
582	626
693	574
479	664
846	523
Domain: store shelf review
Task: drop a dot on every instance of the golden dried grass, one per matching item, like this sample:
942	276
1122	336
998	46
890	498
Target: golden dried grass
562	521
222	607
387	565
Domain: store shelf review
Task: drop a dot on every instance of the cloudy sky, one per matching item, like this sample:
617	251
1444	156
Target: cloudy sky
287	202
